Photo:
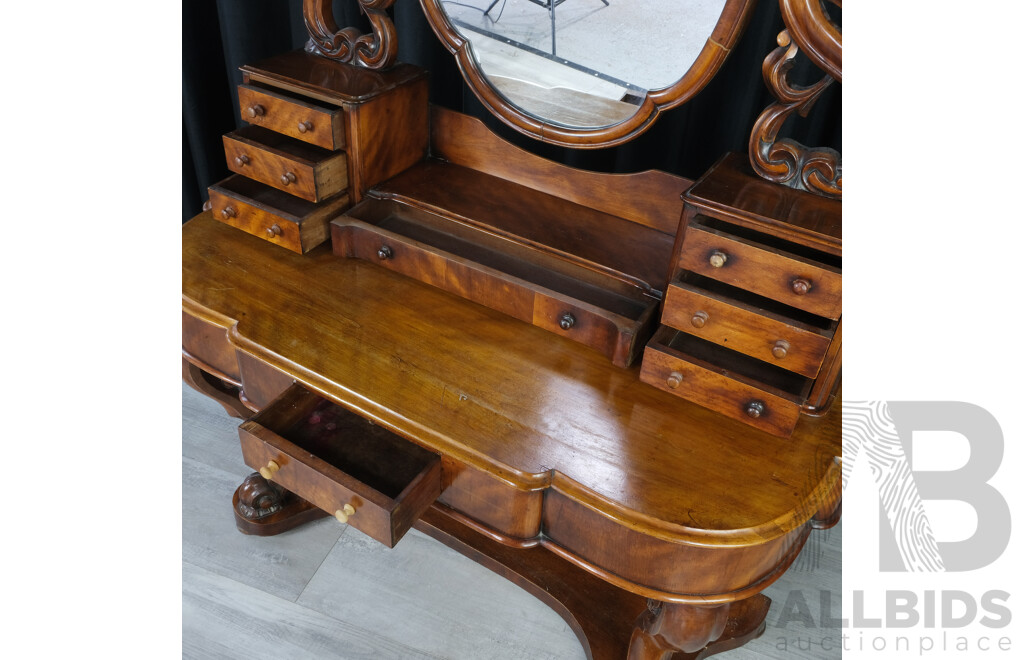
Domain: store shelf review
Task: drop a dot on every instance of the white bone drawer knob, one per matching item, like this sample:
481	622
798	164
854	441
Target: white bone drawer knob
343	513
718	259
268	471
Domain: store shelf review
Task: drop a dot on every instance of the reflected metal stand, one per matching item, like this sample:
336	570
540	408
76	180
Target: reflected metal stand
550	6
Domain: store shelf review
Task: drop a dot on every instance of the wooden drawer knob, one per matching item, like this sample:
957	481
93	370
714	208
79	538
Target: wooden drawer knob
567	321
343	513
288	177
242	160
385	253
268	471
256	110
675	379
273	230
228	212
305	126
755	409
718	259
699	319
780	349
801	286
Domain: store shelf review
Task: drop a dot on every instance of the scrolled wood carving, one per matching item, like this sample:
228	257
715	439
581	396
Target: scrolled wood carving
783	160
378	50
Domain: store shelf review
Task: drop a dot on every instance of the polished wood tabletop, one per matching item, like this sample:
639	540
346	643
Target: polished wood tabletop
533	409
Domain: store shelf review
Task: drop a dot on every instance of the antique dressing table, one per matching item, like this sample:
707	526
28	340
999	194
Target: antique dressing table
613	390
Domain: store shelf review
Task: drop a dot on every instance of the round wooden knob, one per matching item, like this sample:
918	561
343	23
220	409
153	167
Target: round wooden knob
718	259
287	177
801	286
674	379
385	252
699	319
274	230
567	321
305	126
228	212
268	471
256	110
755	409
343	513
242	160
780	349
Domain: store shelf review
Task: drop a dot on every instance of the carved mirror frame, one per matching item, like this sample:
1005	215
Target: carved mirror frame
730	25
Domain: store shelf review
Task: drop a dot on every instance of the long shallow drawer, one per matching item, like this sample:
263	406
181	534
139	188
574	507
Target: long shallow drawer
734	319
587	306
355	470
800	281
304	170
300	118
273	215
763	396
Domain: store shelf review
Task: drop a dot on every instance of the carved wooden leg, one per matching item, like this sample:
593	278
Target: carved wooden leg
223	393
263	508
690	632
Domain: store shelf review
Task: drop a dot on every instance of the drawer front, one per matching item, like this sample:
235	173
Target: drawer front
703	384
789	279
312	180
613	335
298	233
384	517
322	126
734	325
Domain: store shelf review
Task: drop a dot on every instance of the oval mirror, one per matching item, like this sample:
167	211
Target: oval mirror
586	73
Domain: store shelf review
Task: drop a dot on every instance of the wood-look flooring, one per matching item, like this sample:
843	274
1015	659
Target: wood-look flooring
328	591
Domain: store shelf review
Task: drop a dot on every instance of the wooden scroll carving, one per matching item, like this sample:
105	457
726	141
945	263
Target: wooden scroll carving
785	161
373	51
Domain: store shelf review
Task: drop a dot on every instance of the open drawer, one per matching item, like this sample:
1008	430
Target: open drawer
342	463
607	311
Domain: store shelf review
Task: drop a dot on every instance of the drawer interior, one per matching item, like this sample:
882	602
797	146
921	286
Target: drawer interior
252	191
260	137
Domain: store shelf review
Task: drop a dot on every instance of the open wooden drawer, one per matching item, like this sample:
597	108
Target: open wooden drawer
342	463
595	307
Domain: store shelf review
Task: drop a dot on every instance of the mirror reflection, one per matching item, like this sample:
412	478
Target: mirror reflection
583	63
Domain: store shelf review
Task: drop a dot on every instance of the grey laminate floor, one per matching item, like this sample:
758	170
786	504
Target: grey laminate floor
326	591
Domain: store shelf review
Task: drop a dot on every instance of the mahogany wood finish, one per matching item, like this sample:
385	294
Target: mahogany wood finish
262	508
783	160
261	383
340	462
293	116
730	26
224	393
373	51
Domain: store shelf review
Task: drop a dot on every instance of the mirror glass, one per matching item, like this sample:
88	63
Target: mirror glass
582	63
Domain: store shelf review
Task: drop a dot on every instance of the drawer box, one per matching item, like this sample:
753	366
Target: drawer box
294	116
766	397
274	215
588	306
735	319
300	169
334	458
796	280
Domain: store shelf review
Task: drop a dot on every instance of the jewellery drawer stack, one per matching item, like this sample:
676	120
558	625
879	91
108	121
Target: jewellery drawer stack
751	324
320	134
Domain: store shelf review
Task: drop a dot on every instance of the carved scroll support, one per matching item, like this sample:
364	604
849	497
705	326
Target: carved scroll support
263	508
378	50
675	630
782	160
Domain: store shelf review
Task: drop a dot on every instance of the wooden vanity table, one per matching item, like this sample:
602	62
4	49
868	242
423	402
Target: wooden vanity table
452	335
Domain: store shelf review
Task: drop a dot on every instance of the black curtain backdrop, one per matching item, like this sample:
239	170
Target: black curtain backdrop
219	37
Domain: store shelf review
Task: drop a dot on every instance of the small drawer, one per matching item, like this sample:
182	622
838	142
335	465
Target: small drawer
274	215
301	119
793	279
735	319
337	460
736	386
300	169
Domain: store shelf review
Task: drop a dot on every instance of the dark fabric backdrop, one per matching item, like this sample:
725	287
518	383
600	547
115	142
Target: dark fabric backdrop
219	37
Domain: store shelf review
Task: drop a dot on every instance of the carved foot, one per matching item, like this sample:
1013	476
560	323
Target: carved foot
690	632
263	508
